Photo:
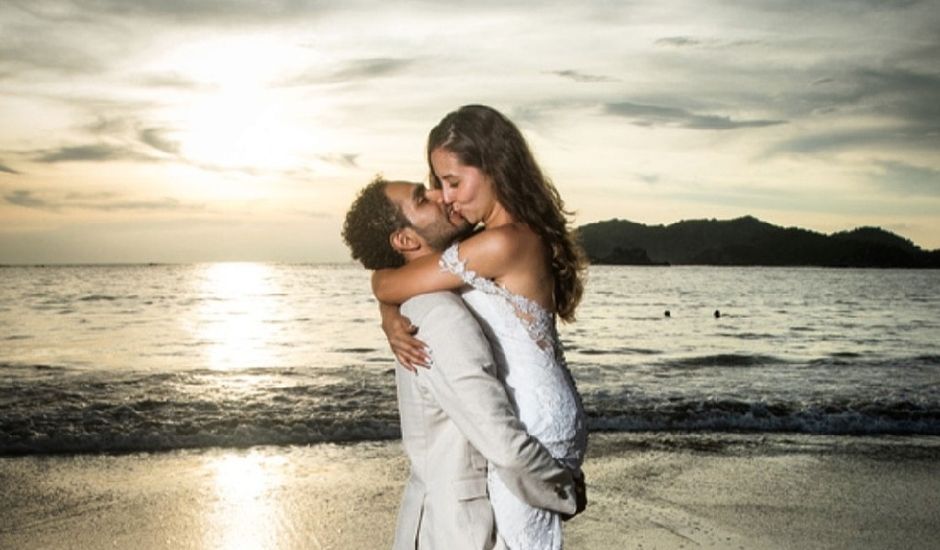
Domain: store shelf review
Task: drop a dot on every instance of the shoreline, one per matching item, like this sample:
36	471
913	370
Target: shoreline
645	490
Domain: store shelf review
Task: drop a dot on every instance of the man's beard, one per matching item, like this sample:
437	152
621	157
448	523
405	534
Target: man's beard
439	235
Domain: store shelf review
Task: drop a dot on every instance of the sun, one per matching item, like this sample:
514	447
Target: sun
243	129
241	114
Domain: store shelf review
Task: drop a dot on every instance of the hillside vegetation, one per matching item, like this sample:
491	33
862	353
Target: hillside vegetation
747	241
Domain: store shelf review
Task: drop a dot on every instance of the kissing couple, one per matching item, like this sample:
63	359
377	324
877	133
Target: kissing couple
471	275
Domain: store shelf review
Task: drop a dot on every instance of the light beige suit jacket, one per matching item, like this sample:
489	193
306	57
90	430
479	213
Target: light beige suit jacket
456	417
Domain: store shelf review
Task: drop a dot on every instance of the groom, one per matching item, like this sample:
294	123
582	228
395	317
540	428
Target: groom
455	416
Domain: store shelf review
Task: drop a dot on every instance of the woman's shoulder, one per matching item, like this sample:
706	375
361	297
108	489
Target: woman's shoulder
504	244
508	237
493	252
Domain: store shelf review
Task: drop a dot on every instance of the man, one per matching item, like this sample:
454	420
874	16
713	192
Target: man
456	416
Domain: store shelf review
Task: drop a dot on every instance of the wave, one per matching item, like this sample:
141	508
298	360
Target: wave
729	415
81	413
355	350
750	335
165	411
836	359
726	360
28	369
100	298
616	351
49	408
889	364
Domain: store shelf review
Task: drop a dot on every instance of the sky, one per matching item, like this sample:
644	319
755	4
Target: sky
210	130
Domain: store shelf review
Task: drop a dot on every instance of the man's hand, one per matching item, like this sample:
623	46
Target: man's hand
580	495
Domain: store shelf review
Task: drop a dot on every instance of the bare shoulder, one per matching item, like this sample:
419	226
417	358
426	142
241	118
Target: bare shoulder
516	231
505	241
502	251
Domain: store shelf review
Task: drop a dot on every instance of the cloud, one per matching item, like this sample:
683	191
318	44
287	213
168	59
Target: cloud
656	115
172	81
155	138
354	70
314	214
34	39
93	201
907	179
76	195
583	77
540	114
829	141
348	160
88	153
886	138
6	169
900	107
710	43
107	126
680	41
907	95
104	107
649	179
114	129
25	198
179	11
27	50
371	68
249	12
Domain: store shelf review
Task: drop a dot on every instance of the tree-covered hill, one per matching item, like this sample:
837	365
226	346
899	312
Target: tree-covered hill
747	241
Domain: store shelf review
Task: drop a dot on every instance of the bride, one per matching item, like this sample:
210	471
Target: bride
516	275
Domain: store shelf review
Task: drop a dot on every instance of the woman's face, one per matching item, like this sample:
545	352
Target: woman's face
466	189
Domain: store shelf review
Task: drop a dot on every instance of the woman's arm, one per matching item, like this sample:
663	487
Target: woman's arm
395	286
490	253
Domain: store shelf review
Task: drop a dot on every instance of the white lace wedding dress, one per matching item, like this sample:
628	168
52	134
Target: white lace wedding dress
532	366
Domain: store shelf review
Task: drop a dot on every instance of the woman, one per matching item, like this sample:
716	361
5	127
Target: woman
521	271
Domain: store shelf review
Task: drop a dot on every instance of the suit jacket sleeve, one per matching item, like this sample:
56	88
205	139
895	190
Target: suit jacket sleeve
464	382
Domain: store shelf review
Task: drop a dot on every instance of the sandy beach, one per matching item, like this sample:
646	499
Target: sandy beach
645	491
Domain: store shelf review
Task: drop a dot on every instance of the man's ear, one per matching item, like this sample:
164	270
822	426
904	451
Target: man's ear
404	240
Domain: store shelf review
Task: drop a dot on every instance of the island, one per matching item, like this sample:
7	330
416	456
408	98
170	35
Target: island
747	241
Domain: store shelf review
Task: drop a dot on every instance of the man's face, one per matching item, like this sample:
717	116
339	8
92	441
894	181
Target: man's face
427	213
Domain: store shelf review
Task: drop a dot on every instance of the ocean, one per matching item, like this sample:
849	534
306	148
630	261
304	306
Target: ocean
126	358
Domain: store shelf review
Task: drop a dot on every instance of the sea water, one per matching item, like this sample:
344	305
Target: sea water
152	357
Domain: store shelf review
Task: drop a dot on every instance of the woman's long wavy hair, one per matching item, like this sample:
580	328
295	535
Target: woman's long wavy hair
482	137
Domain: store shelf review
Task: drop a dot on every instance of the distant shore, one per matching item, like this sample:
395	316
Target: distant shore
649	490
748	241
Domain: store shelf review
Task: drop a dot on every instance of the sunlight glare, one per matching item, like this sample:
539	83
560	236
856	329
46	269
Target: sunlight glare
243	119
236	316
248	516
243	129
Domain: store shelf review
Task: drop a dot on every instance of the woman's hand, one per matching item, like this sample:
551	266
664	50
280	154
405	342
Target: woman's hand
410	352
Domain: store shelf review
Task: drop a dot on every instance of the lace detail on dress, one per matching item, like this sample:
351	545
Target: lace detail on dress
531	364
539	322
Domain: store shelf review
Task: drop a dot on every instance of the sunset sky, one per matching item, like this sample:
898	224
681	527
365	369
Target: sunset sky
209	130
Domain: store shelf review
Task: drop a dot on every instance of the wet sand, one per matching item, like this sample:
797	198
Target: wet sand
645	491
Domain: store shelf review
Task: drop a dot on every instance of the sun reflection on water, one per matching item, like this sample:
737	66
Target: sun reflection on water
247	513
238	314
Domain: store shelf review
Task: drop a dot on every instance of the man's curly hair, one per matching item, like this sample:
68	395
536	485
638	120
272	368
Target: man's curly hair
370	220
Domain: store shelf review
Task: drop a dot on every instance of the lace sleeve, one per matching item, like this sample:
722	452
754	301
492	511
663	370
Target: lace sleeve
537	320
450	261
